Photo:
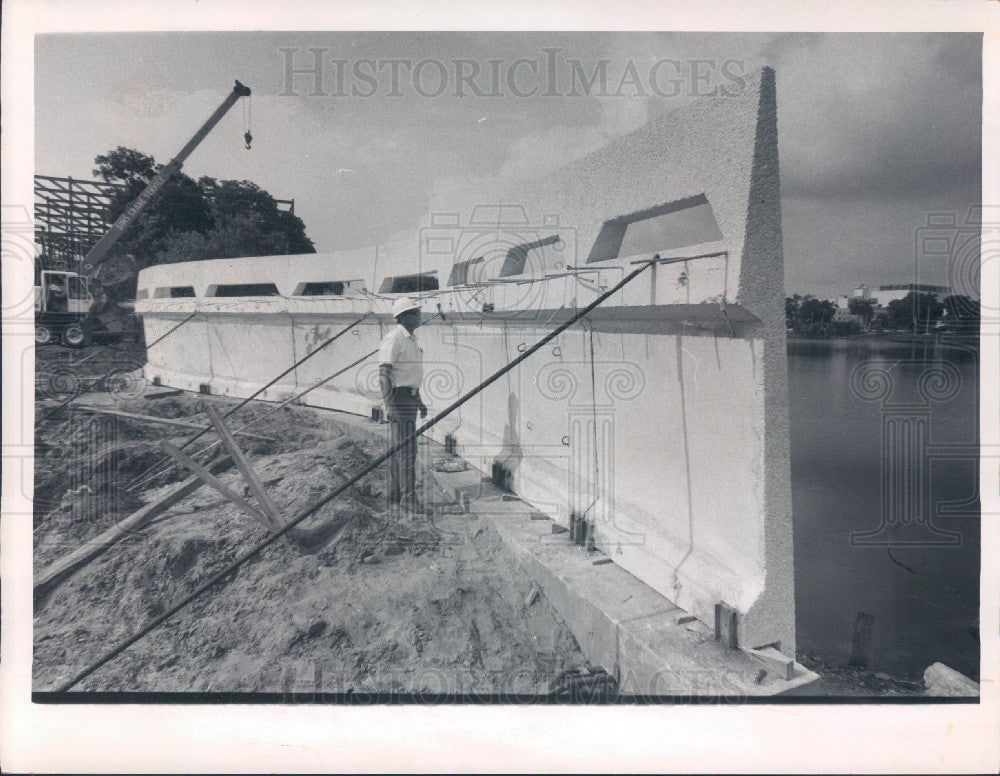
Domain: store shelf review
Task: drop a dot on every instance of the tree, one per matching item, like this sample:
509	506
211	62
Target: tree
915	311
813	310
809	316
125	165
194	220
236	199
963	313
181	206
864	308
791	308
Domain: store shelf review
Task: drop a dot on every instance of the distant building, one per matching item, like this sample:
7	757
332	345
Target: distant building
890	293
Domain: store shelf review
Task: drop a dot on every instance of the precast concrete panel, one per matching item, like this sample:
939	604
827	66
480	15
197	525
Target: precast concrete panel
661	416
356	390
178	348
236	343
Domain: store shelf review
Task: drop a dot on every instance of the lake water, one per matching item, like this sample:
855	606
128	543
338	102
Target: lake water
886	503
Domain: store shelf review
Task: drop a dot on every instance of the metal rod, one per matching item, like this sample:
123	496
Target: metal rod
315	507
679	259
283	404
298	363
312	387
175	328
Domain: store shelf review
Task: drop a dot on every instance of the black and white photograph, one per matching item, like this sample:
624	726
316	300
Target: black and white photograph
372	369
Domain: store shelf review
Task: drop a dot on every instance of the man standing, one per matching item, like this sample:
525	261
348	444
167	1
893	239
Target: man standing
401	369
58	302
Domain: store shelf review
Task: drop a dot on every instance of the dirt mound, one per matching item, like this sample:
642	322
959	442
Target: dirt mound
361	598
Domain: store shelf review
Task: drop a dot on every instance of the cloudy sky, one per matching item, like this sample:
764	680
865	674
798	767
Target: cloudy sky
875	131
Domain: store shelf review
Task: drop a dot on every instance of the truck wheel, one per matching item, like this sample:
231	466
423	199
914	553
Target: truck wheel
75	336
43	334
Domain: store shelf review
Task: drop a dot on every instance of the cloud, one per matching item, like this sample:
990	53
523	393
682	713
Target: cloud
897	116
874	130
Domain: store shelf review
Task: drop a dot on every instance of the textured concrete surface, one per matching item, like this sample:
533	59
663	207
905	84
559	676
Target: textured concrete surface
663	416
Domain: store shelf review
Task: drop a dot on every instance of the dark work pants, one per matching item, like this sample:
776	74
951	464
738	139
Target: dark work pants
402	466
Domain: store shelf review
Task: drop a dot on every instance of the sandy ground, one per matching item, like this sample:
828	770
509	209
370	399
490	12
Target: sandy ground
390	603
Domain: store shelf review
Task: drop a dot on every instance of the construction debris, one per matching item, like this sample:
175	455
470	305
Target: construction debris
165	421
58	571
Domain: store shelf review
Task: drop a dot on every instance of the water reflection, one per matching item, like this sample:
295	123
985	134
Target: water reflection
885	495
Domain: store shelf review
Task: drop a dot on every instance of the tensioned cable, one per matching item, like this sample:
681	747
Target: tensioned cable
593	406
141	477
313	387
311	510
292	399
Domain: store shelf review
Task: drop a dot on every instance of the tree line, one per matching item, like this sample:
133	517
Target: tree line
916	312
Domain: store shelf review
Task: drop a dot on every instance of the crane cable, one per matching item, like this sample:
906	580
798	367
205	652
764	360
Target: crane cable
247	118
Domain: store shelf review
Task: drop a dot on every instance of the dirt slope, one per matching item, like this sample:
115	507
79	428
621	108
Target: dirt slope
388	603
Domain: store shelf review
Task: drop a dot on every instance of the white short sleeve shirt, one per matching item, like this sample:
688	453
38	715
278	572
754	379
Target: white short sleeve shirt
403	353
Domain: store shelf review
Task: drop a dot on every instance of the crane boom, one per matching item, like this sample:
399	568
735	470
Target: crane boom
98	254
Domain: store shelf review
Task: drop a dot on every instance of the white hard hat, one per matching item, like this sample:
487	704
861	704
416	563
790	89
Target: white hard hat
404	304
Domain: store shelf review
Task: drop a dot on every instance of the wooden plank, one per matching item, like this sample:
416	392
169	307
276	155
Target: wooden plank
165	421
243	464
214	482
61	569
777	663
862	641
726	625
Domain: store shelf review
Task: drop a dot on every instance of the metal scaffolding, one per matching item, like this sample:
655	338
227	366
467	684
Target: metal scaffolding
70	216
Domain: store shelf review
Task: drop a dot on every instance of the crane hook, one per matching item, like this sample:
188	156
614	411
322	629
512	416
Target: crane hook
248	138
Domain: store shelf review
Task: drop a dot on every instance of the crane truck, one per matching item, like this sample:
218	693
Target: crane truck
65	305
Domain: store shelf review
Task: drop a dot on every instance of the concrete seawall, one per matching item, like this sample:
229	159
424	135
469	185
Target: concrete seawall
662	416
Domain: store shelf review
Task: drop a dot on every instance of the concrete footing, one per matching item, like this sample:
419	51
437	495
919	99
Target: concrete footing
652	647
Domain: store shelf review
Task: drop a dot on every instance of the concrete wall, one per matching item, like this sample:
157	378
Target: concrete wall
663	415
